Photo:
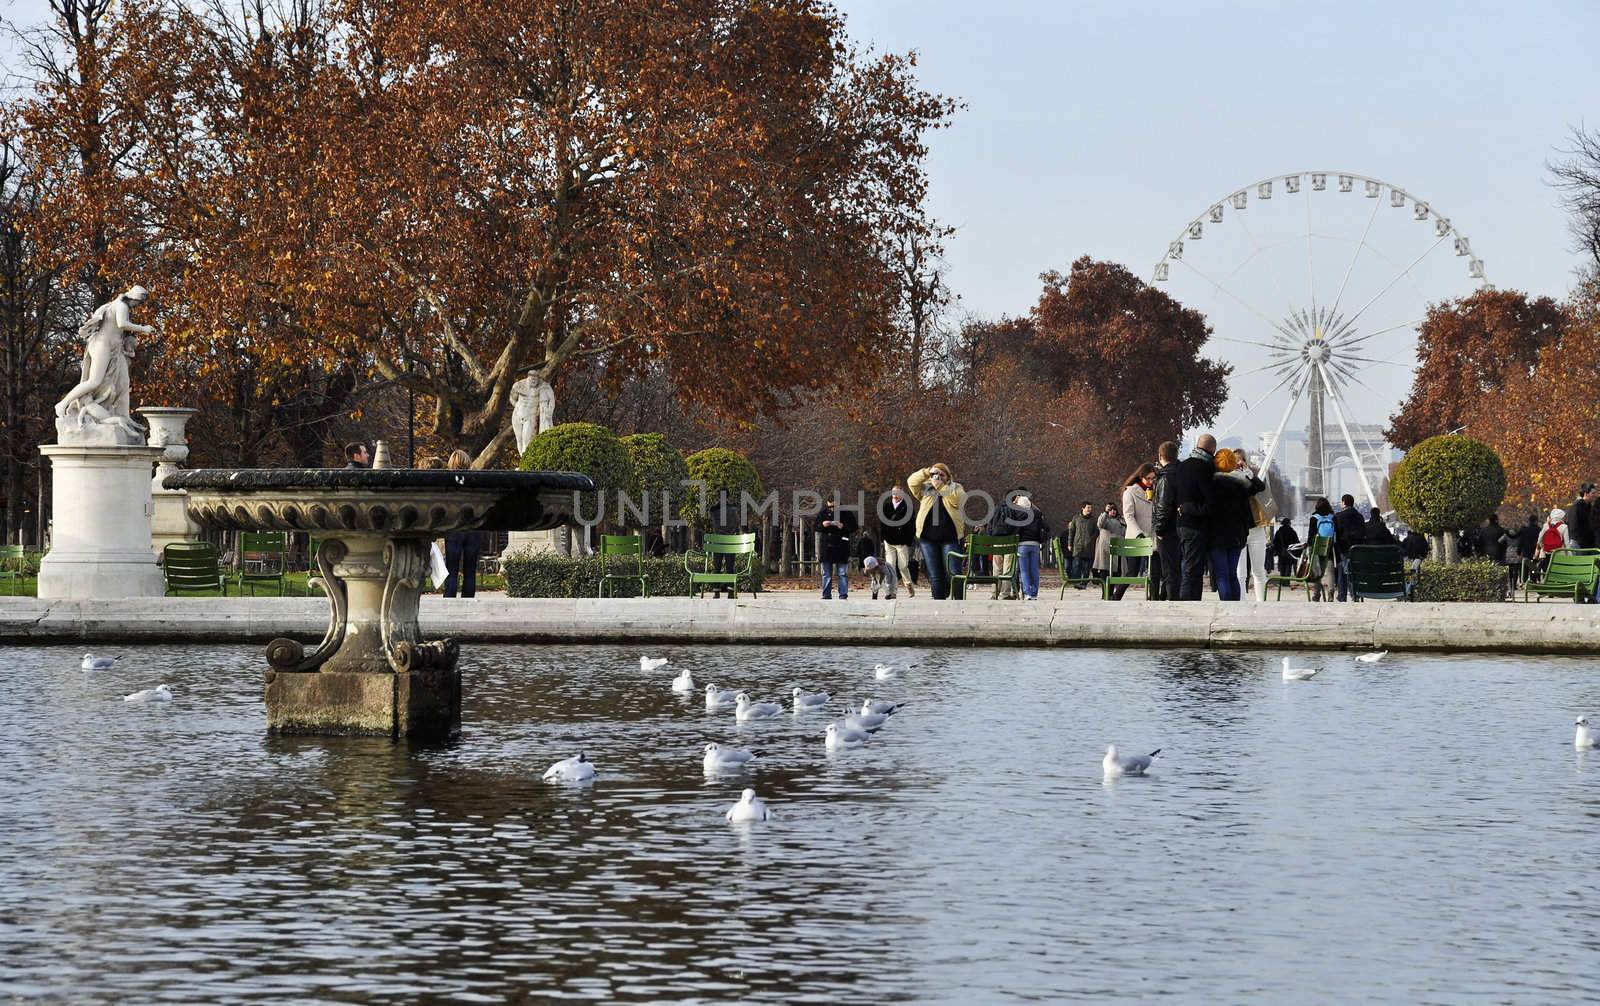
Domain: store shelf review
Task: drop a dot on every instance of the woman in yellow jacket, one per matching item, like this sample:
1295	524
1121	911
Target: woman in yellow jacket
939	524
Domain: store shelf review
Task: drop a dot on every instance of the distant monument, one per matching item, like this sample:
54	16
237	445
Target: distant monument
101	504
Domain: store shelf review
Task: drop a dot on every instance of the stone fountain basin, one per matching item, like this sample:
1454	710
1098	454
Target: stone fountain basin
392	502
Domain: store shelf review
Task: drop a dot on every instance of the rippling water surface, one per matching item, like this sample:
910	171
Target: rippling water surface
1419	830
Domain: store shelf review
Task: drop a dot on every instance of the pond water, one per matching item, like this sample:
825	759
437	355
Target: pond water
1419	830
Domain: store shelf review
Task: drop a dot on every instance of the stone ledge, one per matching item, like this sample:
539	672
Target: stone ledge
1550	627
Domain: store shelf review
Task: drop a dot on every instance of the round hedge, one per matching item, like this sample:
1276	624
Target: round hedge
658	468
1448	483
719	468
588	448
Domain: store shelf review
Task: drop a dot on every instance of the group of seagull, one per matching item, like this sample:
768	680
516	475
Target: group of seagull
1116	766
160	693
853	730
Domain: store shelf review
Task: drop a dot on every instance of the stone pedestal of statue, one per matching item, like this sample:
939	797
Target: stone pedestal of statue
536	542
100	523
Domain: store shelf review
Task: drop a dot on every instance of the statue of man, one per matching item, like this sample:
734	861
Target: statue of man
109	344
533	409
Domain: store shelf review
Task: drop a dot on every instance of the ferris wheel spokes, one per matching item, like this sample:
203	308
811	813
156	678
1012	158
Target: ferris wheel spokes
1240	300
1350	270
1344	427
1402	275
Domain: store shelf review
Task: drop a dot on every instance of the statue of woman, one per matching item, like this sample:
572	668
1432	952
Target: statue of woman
101	396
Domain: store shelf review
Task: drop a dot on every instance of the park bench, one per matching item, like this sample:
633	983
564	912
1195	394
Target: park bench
1125	549
1313	555
620	547
720	544
983	546
1378	572
193	567
1568	574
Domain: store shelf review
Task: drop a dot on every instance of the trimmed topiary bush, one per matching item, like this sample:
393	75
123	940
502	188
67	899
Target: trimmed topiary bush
592	450
718	468
546	575
658	468
1472	580
1448	484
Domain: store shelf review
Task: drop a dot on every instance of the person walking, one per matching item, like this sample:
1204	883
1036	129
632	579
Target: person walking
1107	526
835	527
1254	563
1138	511
1194	490
940	525
1282	540
1167	576
1350	530
899	536
1492	540
1323	571
1228	522
462	549
1078	543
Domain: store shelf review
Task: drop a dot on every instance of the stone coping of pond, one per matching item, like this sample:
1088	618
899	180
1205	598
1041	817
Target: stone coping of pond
1549	627
380	479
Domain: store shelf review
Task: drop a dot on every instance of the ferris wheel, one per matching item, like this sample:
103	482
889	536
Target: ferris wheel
1324	291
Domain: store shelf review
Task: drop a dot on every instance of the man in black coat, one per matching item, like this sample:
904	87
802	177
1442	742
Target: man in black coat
1193	491
1166	571
1580	519
724	520
1349	530
836	526
1281	540
899	522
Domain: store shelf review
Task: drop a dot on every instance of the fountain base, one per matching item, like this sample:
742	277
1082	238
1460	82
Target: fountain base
420	705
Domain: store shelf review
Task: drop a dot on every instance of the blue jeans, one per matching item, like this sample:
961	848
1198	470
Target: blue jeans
832	571
1342	575
1225	567
933	553
1079	567
1028	568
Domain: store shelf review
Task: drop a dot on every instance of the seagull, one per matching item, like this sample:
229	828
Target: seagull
1372	658
883	706
1116	767
869	723
805	701
578	768
1298	673
721	759
94	663
845	737
160	693
651	663
749	808
883	672
1584	739
716	697
684	682
749	709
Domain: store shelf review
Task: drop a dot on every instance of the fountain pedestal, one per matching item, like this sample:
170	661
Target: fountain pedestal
372	673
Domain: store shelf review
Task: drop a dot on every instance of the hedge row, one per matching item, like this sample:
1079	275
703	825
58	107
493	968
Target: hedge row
1470	580
546	575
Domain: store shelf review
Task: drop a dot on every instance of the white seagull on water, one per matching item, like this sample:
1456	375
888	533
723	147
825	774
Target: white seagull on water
1116	766
883	672
721	759
748	709
684	682
883	706
1372	658
805	701
160	693
1584	739
716	697
578	768
94	663
1298	673
749	808
651	663
844	737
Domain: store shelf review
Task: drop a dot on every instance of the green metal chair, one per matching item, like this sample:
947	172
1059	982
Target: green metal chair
1129	548
1378	572
1061	565
13	566
268	548
980	546
1567	574
1317	555
193	567
720	544
620	546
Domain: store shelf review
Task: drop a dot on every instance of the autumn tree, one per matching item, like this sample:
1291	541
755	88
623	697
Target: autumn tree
1467	349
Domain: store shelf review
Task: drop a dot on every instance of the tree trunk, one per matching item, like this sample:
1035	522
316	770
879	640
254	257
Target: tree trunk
1442	548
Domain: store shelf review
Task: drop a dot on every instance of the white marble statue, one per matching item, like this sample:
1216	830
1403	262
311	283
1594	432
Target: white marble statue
533	409
96	409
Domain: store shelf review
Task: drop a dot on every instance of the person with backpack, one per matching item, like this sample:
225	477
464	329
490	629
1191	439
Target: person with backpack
1166	573
1554	536
1323	571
